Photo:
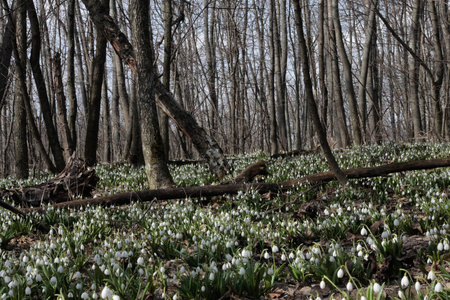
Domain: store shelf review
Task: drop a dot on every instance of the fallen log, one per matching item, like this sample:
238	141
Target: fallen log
73	181
215	190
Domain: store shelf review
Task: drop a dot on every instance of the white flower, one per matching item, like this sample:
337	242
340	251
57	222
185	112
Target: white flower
246	253
396	222
363	298
349	286
69	295
115	297
203	288
106	293
431	275
53	280
78	275
242	271
438	287
340	273
275	249
440	247
283	257
363	231
266	255
322	284
107	272
270	271
401	295
60	269
405	281
211	276
38	278
162	269
84	296
417	286
182	269
376	288
140	261
28	290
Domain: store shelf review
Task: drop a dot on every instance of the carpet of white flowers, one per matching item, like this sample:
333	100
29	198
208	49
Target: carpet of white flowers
380	237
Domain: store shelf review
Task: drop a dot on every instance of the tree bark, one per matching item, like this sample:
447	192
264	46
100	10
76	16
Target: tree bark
71	91
6	50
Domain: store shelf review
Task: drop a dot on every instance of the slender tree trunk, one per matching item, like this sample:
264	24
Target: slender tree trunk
20	118
413	70
163	118
6	49
62	114
271	81
98	67
152	145
352	103
365	64
439	67
106	122
71	91
322	64
312	108
39	80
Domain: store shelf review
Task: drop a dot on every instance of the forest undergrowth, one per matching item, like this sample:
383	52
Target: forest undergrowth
378	238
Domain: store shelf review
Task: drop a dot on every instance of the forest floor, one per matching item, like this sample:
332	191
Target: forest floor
372	239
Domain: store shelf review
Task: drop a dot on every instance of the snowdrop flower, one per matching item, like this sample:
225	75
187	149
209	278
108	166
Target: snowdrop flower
27	291
162	269
401	295
431	275
349	286
363	231
405	282
376	288
363	298
84	296
53	280
140	261
340	273
322	284
438	287
270	271
60	269
417	286
211	276
275	249
106	293
116	297
440	247
107	272
266	255
242	271
283	257
396	222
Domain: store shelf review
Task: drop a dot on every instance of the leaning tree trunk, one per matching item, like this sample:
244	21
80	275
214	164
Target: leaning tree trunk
206	146
312	108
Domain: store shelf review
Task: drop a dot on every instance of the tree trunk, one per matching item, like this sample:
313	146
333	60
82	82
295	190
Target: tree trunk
20	117
312	108
39	80
6	49
163	118
218	190
352	103
67	142
71	91
205	145
152	145
413	71
98	68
